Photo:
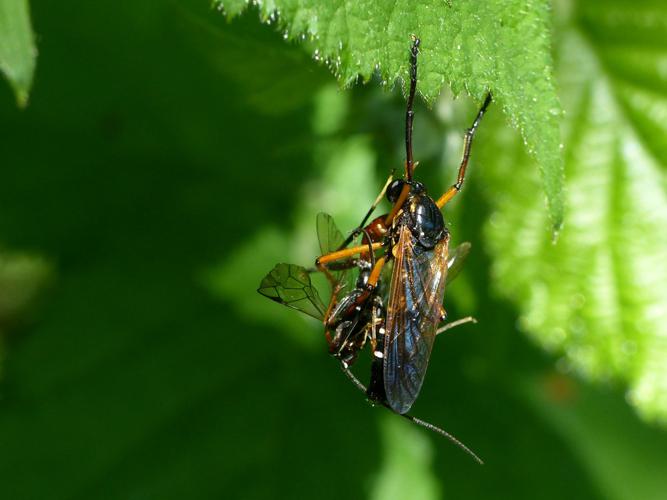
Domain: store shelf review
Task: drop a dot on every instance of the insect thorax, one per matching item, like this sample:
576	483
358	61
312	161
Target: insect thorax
424	219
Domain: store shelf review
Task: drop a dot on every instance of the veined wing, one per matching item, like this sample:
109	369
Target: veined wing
414	311
330	239
290	285
328	234
457	258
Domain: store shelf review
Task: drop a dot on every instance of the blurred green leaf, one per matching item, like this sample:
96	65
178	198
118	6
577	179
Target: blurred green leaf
600	295
276	79
503	47
406	471
592	421
345	187
22	277
249	264
17	47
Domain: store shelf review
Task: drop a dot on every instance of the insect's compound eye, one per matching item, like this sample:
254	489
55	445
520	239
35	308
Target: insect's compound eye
394	190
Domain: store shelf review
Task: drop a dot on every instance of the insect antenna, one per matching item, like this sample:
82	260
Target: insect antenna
443	433
417	421
410	113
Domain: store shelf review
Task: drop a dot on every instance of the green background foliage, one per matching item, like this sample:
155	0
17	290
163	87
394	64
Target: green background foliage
17	48
169	158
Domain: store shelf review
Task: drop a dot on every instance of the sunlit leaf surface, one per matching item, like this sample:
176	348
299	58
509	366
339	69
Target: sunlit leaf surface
600	295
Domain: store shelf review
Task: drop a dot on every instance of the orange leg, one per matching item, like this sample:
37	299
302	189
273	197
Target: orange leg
372	281
375	273
321	262
398	205
467	144
346	252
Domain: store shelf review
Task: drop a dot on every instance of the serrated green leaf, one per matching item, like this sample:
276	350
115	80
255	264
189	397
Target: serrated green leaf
17	48
503	47
600	295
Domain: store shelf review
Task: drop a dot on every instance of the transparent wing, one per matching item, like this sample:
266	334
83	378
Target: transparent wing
414	311
328	234
457	258
330	239
290	285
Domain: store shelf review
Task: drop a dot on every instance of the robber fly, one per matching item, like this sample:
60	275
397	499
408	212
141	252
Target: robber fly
414	239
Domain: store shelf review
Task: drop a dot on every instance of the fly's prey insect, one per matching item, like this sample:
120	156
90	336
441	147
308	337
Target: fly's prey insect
402	264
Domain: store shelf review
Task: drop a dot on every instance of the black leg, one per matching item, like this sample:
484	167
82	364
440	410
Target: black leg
467	144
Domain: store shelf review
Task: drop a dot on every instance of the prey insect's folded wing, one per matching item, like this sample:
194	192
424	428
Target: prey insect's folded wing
328	234
290	285
330	239
413	313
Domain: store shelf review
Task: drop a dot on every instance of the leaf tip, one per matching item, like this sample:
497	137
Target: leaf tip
556	229
556	214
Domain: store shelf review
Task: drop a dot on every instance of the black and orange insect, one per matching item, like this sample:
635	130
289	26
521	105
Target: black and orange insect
395	304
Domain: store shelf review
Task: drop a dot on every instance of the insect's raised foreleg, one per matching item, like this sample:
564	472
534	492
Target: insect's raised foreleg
360	227
467	144
398	205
